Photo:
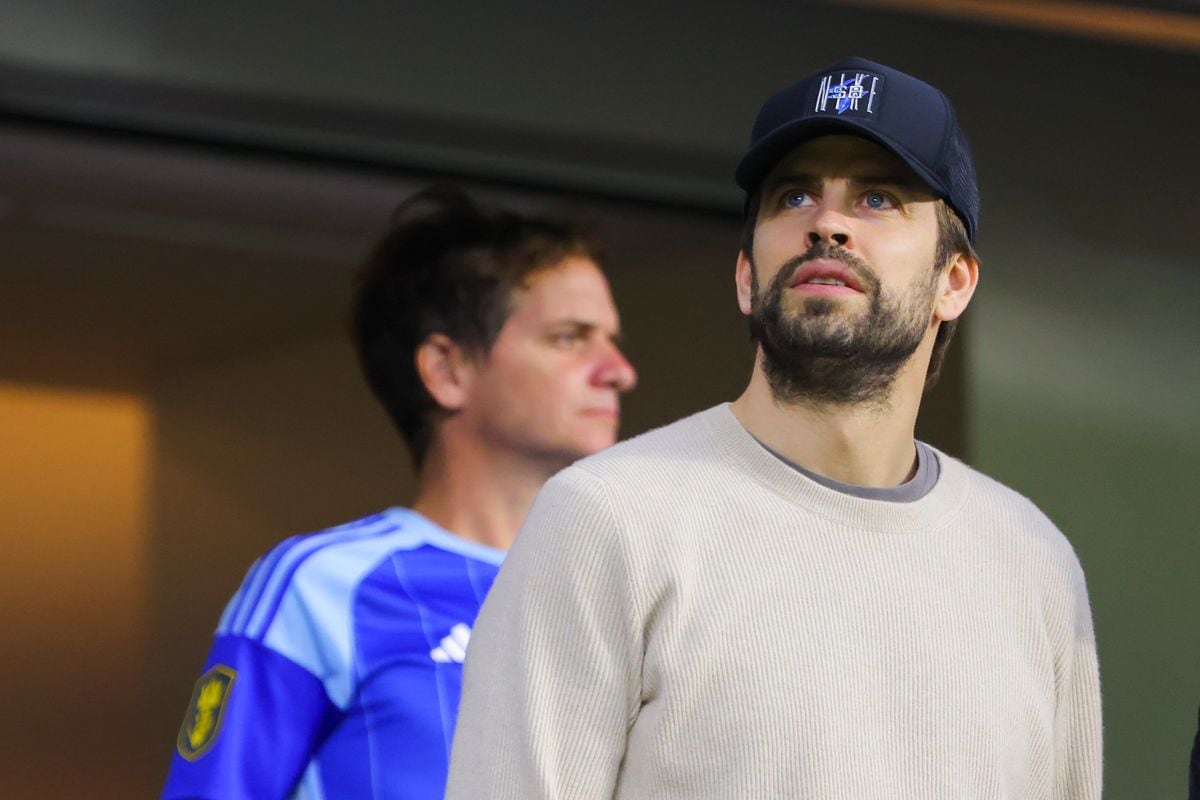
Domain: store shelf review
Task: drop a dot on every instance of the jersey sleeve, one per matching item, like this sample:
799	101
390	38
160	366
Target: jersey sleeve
552	679
253	723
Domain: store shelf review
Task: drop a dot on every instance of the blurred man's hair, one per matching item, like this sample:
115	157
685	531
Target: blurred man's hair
446	266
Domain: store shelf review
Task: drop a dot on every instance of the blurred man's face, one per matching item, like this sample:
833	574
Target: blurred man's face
549	388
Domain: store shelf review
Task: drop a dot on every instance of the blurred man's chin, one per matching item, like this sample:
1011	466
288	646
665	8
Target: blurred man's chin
594	444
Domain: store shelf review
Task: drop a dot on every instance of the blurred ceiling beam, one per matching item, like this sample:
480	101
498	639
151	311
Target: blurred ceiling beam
1172	30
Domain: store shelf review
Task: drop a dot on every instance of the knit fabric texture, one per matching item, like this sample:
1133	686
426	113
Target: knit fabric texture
685	616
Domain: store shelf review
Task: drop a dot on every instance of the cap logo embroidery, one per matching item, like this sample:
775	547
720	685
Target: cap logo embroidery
855	93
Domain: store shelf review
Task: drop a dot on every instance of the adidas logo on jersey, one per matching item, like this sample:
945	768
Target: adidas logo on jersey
453	647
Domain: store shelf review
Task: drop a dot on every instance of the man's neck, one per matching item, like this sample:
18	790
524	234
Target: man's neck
867	444
478	494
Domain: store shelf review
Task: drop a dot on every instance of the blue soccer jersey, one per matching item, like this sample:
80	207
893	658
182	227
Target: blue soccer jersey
336	669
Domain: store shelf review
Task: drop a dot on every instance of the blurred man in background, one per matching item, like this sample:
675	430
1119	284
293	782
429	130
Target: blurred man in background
491	340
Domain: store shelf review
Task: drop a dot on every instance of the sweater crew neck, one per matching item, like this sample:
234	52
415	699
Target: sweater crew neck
930	511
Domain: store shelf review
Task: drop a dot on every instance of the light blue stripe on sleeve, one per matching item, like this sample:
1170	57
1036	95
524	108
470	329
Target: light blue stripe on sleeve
256	584
253	620
314	625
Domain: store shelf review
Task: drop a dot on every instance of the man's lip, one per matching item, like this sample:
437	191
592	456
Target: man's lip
825	268
602	412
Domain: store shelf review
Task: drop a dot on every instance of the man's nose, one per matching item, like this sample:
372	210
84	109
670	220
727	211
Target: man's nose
829	225
615	371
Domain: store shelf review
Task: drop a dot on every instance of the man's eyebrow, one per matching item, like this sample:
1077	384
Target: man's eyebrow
572	322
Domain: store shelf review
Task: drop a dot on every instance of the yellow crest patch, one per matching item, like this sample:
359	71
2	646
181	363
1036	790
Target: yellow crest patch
207	707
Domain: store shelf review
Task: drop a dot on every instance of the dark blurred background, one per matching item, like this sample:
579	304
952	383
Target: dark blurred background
186	189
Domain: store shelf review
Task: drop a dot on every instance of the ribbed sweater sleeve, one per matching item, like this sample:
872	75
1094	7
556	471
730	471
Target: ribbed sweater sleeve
551	686
1078	734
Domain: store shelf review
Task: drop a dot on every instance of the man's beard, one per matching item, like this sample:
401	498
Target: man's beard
818	356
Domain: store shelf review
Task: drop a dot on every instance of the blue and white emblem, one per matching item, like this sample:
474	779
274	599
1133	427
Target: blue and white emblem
852	93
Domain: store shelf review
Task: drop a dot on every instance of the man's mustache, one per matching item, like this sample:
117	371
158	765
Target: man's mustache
823	250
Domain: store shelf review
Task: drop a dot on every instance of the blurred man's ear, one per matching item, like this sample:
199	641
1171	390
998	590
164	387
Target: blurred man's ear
446	370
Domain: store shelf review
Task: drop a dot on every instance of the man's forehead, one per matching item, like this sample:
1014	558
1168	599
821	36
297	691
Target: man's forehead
842	156
572	290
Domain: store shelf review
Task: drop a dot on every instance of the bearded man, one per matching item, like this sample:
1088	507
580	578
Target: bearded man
787	595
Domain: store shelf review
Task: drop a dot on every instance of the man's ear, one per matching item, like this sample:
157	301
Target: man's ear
742	276
446	369
956	287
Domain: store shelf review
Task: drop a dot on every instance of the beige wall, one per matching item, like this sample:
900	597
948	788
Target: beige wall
73	586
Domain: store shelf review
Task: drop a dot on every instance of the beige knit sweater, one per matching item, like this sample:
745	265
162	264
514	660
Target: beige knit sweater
685	616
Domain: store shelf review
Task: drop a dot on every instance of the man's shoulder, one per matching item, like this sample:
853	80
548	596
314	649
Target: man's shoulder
326	568
327	550
1002	507
312	596
654	468
350	548
685	441
998	497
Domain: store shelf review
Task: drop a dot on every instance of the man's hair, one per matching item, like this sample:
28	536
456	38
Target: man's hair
952	240
445	266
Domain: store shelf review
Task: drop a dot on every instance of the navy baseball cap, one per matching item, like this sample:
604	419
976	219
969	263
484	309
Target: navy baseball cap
897	111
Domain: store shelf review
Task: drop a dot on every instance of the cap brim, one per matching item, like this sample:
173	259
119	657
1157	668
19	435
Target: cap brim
762	157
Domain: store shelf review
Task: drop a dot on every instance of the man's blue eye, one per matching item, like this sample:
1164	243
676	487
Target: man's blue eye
795	199
876	199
